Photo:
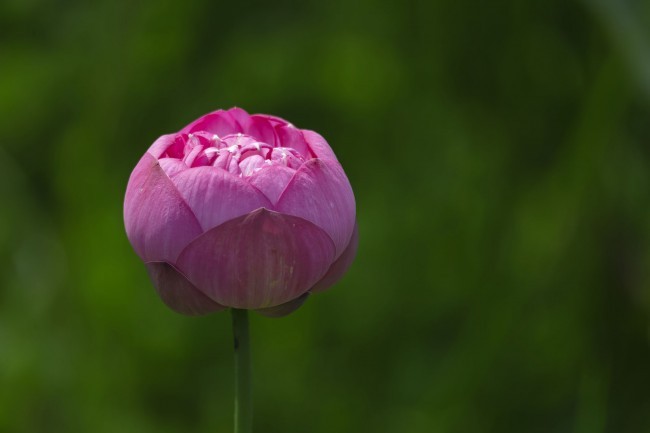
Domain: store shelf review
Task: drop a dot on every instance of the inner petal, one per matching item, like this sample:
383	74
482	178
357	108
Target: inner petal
263	142
249	165
271	180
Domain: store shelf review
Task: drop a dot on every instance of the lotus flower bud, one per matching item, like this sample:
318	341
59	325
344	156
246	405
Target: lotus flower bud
242	211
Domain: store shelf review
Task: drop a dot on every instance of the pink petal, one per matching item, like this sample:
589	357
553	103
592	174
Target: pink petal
286	156
321	193
340	266
272	180
224	161
192	155
158	148
177	292
239	141
206	157
218	122
158	222
318	145
275	120
172	166
284	309
216	196
260	129
239	116
260	260
250	164
288	136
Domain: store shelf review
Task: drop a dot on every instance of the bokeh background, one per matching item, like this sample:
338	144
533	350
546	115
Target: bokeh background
500	156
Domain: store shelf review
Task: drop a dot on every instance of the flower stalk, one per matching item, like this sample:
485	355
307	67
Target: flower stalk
243	397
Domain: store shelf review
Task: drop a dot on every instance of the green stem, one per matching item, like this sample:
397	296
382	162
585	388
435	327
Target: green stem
243	400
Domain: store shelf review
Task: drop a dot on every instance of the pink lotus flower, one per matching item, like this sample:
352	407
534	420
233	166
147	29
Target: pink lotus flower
242	211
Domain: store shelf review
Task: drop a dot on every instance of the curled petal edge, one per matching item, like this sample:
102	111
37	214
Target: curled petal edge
284	309
177	292
318	145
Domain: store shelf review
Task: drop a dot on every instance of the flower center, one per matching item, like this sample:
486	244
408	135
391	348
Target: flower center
239	154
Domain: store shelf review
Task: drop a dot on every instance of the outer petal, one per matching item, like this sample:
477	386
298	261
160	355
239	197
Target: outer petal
341	265
318	145
177	292
272	180
284	309
216	196
161	144
218	122
158	222
260	260
321	193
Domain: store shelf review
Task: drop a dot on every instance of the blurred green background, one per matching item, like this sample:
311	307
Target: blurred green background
500	156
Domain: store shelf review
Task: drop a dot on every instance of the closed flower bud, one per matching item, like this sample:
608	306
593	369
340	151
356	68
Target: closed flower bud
242	211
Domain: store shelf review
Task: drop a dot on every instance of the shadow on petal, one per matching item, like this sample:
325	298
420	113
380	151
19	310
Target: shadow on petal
177	292
341	265
284	309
